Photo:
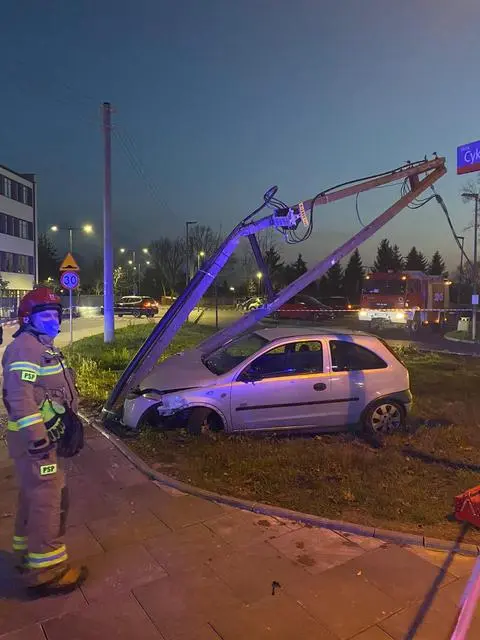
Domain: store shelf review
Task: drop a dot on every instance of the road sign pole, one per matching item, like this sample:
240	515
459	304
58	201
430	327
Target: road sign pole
70	296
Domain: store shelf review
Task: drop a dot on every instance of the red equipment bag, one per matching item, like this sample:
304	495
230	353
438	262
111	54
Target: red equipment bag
467	506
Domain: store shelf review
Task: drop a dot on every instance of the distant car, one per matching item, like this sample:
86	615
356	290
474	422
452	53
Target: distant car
136	306
277	379
339	304
303	307
66	313
250	303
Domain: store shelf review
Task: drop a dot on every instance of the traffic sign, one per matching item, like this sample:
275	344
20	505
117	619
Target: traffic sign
70	280
69	263
468	158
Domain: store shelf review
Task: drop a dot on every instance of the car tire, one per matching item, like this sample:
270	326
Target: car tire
383	417
137	314
203	419
120	315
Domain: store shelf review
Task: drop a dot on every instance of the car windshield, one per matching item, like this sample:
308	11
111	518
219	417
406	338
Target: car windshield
384	287
226	358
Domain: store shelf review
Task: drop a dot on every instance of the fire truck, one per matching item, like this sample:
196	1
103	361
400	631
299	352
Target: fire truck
407	299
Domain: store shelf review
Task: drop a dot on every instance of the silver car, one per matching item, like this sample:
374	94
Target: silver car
278	379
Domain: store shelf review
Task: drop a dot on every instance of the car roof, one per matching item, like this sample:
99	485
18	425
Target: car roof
277	333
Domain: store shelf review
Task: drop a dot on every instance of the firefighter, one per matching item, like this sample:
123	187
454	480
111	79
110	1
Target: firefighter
38	392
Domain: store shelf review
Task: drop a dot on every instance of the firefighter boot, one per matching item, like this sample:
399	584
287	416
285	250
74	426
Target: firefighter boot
60	579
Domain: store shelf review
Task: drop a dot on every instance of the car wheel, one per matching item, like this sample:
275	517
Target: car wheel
384	416
137	314
120	315
202	419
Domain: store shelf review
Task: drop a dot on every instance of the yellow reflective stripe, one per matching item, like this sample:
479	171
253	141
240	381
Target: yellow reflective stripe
27	421
51	370
19	543
49	559
21	365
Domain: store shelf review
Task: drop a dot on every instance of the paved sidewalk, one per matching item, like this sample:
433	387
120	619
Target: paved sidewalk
164	565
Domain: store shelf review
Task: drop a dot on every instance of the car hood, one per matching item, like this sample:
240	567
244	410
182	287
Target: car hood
184	370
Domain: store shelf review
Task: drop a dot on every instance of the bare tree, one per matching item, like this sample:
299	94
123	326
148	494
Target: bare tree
469	190
168	257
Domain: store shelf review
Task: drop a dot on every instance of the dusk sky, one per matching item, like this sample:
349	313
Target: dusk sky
223	98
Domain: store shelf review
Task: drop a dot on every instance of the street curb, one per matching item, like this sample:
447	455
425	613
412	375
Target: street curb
460	340
397	537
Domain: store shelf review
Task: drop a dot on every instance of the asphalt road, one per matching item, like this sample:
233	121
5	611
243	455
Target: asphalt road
84	327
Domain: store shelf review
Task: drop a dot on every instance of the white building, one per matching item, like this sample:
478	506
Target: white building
18	229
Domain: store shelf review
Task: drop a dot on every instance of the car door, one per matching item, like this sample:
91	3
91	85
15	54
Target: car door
282	388
354	379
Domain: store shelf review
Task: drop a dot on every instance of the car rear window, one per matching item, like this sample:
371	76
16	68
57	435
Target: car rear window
349	356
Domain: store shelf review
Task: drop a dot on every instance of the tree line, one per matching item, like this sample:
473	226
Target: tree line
163	270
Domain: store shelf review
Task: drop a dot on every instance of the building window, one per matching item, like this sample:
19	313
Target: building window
7	187
16	191
16	263
16	227
23	229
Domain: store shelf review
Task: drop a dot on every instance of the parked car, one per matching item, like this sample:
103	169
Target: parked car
340	304
136	306
277	379
250	303
303	307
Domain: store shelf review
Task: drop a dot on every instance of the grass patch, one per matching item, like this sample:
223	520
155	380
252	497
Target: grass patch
408	485
98	366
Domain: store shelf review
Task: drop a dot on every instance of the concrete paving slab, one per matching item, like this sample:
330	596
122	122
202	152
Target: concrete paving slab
402	575
121	618
123	529
18	611
187	548
185	511
278	617
374	633
458	566
119	571
109	467
182	604
369	543
243	528
342	600
251	572
81	543
316	549
32	632
433	623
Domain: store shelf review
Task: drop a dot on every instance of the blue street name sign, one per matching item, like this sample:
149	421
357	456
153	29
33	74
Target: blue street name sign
468	158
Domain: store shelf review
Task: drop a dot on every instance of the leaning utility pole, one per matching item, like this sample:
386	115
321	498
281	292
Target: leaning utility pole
108	317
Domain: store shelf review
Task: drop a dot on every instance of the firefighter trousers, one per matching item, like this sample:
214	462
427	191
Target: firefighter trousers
41	516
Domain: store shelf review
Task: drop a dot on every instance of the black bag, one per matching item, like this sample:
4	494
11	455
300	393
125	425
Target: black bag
72	440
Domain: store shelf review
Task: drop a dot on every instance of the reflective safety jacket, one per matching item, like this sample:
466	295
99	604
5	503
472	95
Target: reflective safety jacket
34	372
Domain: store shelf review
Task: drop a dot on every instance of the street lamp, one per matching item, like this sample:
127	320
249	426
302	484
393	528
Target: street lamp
86	228
200	255
474	196
133	263
259	276
187	249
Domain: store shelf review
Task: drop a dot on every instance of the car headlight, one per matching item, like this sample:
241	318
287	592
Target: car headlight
173	402
362	314
400	316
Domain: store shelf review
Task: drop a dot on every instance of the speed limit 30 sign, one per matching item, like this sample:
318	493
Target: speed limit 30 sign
70	279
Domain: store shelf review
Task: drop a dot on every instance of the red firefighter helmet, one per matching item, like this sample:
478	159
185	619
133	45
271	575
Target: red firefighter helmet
37	300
